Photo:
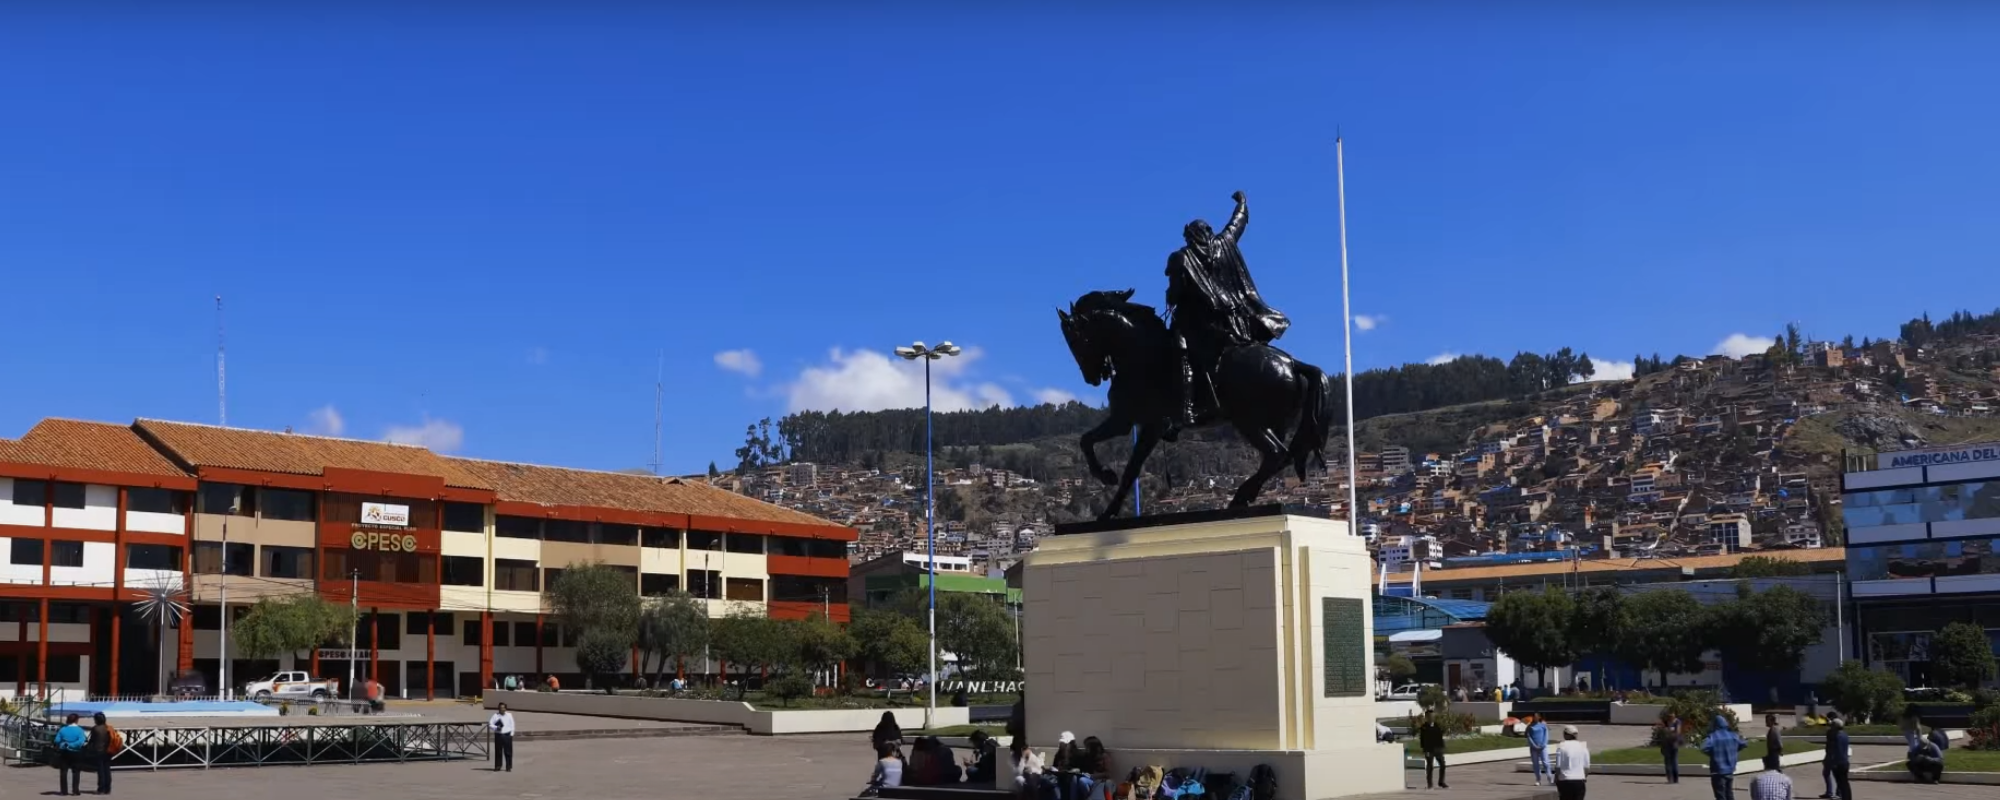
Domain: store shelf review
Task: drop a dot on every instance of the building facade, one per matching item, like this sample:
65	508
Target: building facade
447	559
1921	530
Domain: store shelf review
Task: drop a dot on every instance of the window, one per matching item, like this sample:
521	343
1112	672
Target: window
551	634
1949	503
807	589
31	493
414	622
69	614
663	538
343	565
517	527
65	669
1934	558
826	548
500	634
286	562
289	505
651	585
154	556
550	576
208	558
704	540
65	554
155	501
464	571
515	575
225	498
746	543
524	633
386	625
68	495
207	618
466	517
705	584
745	589
26	552
472	637
612	533
565	530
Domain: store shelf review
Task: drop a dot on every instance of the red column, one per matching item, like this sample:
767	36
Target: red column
430	656
375	648
117	587
538	646
21	674
42	647
116	618
485	650
184	661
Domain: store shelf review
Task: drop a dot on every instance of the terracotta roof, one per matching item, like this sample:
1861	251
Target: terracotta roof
200	446
1616	565
576	487
87	445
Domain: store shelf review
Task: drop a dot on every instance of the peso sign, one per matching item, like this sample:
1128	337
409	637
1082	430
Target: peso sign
1938	458
384	542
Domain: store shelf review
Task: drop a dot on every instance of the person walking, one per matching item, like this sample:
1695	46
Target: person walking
1670	741
1430	739
1722	746
70	742
1837	757
1774	738
1538	747
1572	763
1826	764
98	749
1771	784
502	725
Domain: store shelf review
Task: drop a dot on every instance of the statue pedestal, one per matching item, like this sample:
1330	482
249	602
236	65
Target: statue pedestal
1217	643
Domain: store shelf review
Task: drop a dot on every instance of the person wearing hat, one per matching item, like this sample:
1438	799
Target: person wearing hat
1572	763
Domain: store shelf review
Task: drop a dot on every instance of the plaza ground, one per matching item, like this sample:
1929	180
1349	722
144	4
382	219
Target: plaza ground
829	767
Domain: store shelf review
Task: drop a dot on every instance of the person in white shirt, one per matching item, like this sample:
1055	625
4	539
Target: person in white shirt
502	726
1572	762
888	768
1027	768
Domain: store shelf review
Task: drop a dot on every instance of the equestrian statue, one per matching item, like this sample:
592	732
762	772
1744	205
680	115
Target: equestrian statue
1211	362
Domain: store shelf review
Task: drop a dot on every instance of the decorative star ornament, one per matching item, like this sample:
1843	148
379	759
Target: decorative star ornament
164	600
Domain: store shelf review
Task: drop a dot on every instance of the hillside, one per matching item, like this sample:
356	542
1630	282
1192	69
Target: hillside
1494	449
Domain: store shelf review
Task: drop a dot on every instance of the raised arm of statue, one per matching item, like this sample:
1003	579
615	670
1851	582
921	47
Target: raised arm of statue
1238	220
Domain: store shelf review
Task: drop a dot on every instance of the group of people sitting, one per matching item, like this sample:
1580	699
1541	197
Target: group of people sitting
1926	750
1078	766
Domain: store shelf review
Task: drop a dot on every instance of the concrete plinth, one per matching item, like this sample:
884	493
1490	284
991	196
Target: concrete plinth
1219	644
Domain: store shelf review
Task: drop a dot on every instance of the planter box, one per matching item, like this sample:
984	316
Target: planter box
716	712
1561	711
1953	735
1901	775
1635	714
1696	769
1949	715
1484	710
1479	757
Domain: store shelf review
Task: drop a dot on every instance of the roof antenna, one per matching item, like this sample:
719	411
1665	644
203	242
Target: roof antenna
659	391
221	379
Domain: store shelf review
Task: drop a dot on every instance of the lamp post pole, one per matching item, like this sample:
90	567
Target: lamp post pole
930	354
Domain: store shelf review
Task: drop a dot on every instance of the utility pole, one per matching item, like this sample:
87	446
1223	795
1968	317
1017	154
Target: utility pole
353	626
222	649
221	383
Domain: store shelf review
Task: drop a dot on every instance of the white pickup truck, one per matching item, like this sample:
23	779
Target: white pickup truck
293	685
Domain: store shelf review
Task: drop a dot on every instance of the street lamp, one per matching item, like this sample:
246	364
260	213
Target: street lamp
930	354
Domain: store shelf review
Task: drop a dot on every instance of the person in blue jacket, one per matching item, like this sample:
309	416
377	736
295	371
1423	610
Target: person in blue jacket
70	741
1538	748
1722	745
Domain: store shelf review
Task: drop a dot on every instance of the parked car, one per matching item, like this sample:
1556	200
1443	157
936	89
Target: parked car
293	685
1406	691
188	683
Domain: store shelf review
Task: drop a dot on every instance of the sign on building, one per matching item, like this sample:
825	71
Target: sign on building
1965	454
385	514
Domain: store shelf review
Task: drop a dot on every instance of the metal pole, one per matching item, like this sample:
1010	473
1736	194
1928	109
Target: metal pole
353	626
1135	478
930	539
1347	316
1839	617
222	649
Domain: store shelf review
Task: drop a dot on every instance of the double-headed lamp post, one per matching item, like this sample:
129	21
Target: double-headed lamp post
914	352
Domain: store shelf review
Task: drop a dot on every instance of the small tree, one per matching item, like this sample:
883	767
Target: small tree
601	652
274	627
1962	656
818	644
977	629
1399	668
1767	631
748	640
1533	628
672	628
1666	630
1863	694
1596	622
891	641
596	597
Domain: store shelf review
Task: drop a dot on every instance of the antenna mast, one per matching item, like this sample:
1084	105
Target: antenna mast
221	377
659	392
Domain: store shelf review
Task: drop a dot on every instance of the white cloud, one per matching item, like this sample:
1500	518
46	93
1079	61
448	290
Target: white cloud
1739	345
1445	357
325	421
440	435
1053	396
538	356
743	361
866	380
1366	322
1612	370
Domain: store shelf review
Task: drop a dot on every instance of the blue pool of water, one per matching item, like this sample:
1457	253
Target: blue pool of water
191	708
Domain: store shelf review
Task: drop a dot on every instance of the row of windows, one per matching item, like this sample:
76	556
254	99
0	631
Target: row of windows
59	613
562	530
1948	503
71	495
28	553
1926	559
237	558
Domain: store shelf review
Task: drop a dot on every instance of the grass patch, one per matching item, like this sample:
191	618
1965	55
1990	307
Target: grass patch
1569	698
1852	730
1751	755
1956	760
1479	743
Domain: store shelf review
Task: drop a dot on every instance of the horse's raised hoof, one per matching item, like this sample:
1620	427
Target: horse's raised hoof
1107	477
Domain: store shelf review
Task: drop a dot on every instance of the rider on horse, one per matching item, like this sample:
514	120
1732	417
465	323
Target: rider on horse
1214	305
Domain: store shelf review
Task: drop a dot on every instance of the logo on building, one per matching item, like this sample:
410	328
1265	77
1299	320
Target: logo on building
385	542
385	514
1937	458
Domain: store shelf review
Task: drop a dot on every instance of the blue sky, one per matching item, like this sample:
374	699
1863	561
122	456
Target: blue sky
481	230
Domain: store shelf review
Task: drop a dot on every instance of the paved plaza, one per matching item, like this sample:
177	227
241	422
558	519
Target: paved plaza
742	767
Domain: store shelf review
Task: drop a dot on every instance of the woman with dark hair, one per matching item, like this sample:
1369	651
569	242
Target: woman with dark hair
920	771
887	731
1096	764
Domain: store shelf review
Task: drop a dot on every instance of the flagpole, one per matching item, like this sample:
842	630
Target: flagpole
1347	317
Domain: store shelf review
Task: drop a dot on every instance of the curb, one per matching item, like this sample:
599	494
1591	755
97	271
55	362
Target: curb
630	733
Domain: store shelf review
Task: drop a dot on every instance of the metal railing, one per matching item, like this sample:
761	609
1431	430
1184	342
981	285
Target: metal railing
26	741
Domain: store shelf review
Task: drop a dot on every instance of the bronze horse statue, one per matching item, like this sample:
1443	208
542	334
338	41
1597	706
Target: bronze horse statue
1260	390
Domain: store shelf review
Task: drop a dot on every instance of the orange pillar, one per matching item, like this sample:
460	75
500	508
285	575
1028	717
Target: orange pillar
375	647
42	650
430	656
538	646
116	618
485	650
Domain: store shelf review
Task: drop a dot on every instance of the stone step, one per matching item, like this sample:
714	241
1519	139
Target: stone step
633	733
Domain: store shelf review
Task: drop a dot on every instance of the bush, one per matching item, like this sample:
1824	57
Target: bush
1695	709
1864	695
1984	731
790	686
1453	724
1433	698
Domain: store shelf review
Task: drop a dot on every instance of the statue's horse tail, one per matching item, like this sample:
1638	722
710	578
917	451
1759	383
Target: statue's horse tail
1309	441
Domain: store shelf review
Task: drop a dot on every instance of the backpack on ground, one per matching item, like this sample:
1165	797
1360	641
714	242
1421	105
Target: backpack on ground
1241	792
1146	782
114	740
1196	783
1263	783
